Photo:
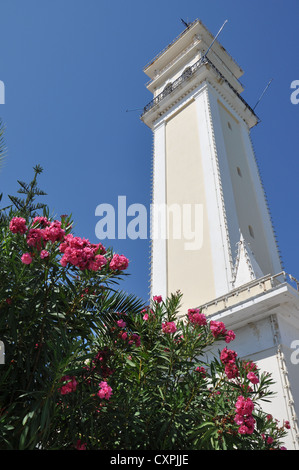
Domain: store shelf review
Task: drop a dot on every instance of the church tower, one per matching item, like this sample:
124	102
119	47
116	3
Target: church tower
211	231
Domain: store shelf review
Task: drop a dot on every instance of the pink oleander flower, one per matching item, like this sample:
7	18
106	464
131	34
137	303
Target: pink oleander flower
249	367
227	356
201	370
244	406
169	327
35	237
196	318
42	221
287	424
105	390
121	323
157	298
246	423
80	446
135	339
81	253
98	263
230	336
44	254
270	440
252	378
54	232
239	419
26	258
148	314
70	386
231	371
119	262
18	225
217	328
247	427
123	335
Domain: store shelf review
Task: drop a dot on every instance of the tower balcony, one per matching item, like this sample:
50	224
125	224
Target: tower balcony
191	78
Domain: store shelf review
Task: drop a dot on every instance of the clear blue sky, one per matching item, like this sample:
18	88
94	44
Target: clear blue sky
72	68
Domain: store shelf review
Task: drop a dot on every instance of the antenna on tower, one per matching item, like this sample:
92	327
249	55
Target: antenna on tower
185	23
263	93
215	38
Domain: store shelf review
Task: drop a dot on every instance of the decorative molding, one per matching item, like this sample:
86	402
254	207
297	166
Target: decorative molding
227	248
284	377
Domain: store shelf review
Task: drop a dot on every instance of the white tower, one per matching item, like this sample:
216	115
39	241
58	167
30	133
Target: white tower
212	236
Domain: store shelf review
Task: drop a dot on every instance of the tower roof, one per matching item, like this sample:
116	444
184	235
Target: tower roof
195	30
184	64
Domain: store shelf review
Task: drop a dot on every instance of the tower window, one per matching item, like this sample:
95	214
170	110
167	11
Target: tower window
229	125
239	171
251	231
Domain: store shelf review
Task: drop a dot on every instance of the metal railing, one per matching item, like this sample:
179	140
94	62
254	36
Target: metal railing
186	75
272	280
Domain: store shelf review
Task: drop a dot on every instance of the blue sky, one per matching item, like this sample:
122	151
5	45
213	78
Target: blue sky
72	69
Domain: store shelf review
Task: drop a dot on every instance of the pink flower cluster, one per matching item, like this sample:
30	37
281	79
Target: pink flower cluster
41	221
228	357
42	231
196	318
202	371
69	386
169	327
50	231
148	314
119	263
81	253
18	225
251	367
105	390
26	258
218	329
252	378
76	251
54	232
132	339
244	419
80	445
121	323
157	298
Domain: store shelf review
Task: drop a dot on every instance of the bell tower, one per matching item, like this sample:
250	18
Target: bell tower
211	231
204	163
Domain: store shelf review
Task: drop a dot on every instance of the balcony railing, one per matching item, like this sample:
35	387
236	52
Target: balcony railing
252	288
186	75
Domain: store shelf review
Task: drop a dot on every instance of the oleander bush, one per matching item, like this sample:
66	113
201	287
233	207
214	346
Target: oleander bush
88	366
